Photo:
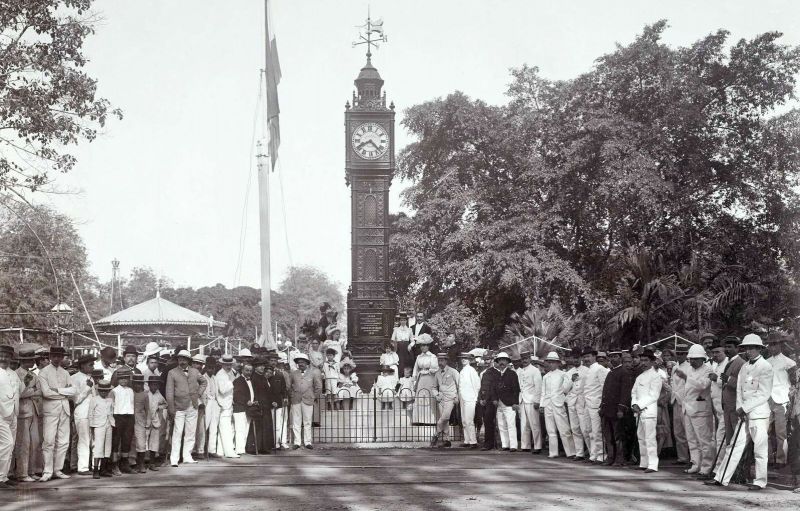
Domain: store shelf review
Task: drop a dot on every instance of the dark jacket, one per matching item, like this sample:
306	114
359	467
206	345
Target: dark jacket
241	394
278	389
488	391
261	390
508	388
616	392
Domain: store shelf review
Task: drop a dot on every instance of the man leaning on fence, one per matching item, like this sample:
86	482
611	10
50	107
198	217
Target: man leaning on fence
447	397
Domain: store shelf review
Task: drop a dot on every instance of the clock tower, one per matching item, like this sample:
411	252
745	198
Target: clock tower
369	167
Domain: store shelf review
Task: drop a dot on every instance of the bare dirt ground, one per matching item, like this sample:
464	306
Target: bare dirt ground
388	479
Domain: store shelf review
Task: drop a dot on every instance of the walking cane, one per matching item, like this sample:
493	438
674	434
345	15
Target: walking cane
719	450
732	444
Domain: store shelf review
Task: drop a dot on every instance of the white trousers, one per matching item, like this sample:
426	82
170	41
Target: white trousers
84	441
679	430
8	434
468	422
226	433
200	433
241	424
596	452
301	423
186	427
700	437
719	430
26	432
586	427
506	423
757	429
648	444
531	426
55	441
577	432
212	426
281	427
557	423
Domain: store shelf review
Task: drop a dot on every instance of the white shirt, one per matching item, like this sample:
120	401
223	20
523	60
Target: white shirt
10	388
575	393
678	383
593	385
754	388
645	392
554	389
780	377
530	384
469	384
123	400
716	387
83	395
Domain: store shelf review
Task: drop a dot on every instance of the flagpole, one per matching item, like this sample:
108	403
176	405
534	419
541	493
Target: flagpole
263	217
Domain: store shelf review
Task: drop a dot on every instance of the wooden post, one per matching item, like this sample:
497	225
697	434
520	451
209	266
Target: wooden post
189	343
263	210
119	344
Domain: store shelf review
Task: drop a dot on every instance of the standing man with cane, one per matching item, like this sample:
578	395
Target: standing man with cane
644	403
752	406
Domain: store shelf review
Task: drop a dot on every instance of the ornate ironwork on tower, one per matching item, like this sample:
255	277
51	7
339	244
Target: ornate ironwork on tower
369	167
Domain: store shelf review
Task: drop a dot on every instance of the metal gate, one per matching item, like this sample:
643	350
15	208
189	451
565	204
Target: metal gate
388	418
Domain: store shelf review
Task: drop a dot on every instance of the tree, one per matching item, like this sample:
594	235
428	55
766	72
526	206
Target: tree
674	152
300	295
41	253
48	101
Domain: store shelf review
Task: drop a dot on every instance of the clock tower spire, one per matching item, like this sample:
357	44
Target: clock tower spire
369	168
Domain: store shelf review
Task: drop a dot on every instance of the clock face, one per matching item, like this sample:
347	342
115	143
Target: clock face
370	141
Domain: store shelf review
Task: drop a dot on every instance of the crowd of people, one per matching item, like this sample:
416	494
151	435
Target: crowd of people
109	416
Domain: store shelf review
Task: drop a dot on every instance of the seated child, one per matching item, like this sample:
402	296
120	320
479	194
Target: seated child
385	386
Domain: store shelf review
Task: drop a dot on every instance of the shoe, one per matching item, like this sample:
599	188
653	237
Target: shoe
446	443
84	472
153	464
174	465
754	487
682	462
464	446
214	455
141	468
552	456
473	446
607	463
694	469
712	482
61	475
309	446
486	448
27	479
650	471
539	451
6	485
579	458
506	449
295	447
124	467
511	450
105	468
96	473
190	461
641	468
45	478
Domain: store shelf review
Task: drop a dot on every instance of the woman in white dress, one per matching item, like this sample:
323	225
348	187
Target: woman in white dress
425	382
401	336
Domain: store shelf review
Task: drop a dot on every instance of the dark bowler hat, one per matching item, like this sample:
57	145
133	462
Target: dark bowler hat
138	378
154	379
97	373
681	347
649	354
576	352
130	349
123	372
588	350
6	349
84	359
57	351
108	352
731	339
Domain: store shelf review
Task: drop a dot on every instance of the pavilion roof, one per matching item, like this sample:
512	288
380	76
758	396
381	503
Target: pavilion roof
157	311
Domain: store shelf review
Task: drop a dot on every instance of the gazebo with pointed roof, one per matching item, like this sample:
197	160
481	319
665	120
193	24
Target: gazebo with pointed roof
158	315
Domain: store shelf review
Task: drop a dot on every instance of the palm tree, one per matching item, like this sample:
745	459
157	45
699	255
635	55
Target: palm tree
546	324
651	295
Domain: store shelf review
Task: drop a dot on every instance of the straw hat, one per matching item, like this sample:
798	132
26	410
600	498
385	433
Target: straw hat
552	357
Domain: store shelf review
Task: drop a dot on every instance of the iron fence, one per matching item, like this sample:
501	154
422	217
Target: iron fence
387	417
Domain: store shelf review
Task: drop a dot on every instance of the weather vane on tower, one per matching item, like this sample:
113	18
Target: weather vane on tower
368	36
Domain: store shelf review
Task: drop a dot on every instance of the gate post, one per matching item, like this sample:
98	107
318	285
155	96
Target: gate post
374	416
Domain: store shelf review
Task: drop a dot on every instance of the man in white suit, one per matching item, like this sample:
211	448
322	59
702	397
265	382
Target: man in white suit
555	386
57	390
753	391
644	402
699	418
592	395
530	391
224	382
469	385
576	406
11	387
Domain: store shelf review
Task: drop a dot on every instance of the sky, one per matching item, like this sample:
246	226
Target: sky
167	186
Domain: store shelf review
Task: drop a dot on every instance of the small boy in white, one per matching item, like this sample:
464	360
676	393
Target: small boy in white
101	420
330	374
157	405
406	390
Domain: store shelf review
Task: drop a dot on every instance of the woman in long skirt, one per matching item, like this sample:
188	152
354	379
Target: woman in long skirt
425	383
